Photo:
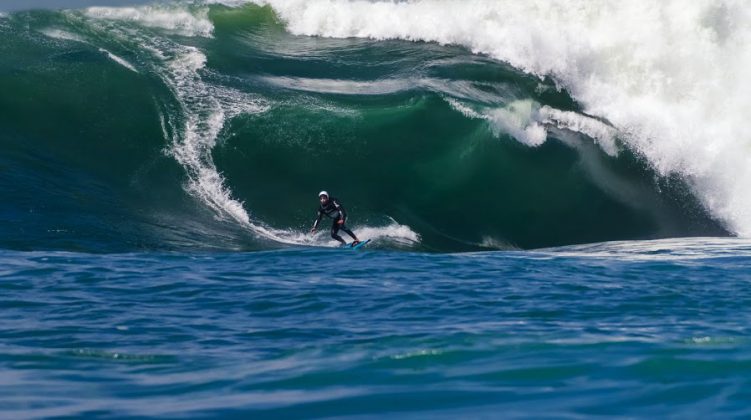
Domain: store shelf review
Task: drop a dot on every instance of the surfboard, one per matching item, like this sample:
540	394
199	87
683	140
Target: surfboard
358	246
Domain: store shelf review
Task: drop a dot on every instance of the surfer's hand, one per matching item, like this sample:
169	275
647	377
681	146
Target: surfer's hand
341	222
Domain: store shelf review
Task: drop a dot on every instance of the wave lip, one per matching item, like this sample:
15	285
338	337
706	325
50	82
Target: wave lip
176	20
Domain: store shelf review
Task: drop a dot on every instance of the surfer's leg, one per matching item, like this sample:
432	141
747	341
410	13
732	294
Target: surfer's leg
335	230
349	232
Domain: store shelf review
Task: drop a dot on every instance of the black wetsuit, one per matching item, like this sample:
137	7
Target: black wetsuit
334	210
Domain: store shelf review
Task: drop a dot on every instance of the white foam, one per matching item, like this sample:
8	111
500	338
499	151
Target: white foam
342	87
466	110
57	33
518	120
205	116
393	234
602	133
528	123
175	19
495	243
119	60
671	76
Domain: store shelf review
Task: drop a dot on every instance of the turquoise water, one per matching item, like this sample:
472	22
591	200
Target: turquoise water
536	251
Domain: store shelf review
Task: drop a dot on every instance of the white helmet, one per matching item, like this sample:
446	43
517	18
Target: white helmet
323	193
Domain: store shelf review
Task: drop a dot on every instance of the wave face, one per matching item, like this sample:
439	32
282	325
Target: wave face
670	77
214	124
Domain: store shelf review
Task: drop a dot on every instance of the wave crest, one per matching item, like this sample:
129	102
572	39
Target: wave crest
177	20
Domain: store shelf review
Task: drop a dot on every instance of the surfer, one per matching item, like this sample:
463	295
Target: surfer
332	208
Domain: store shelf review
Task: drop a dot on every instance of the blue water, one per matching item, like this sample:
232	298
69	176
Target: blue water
632	329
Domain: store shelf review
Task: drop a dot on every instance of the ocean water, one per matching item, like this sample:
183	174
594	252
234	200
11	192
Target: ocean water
629	329
557	195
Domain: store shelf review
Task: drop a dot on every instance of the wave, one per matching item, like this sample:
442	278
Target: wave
669	77
224	124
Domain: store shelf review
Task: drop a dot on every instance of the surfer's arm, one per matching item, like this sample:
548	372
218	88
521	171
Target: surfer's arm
318	220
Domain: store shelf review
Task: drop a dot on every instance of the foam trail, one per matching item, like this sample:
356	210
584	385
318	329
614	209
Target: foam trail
343	87
204	108
56	33
671	76
204	119
119	60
